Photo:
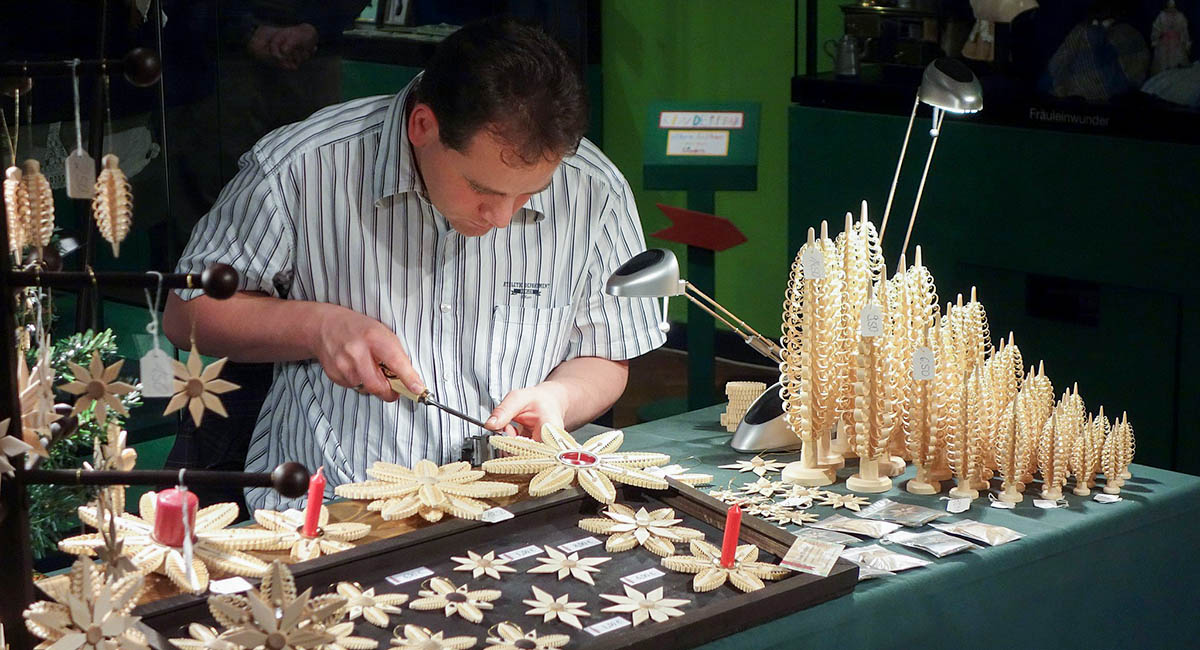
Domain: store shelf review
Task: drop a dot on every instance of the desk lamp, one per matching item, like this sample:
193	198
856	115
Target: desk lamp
947	86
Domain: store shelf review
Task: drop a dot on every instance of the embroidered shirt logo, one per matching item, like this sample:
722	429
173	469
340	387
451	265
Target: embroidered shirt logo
525	288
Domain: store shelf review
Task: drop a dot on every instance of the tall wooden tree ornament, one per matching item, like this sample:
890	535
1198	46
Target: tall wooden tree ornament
807	372
1117	455
1085	454
1012	450
922	438
861	258
1004	373
873	415
947	397
1037	404
1054	447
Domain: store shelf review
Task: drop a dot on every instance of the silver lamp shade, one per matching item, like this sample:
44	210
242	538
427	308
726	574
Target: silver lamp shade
653	273
951	86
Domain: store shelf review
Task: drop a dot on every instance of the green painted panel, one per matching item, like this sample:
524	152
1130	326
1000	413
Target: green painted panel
736	168
364	78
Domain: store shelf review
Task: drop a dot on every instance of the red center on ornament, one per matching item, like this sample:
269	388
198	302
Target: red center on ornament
578	458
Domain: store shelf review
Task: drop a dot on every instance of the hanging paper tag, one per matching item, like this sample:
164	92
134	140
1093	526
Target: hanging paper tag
603	627
813	264
871	322
81	174
1046	504
409	576
233	585
495	515
579	545
158	377
961	504
812	556
923	364
1106	498
642	576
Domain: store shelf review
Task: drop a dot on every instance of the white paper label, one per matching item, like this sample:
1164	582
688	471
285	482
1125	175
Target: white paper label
1106	498
1046	504
812	262
700	119
579	545
923	364
410	575
522	553
81	174
229	585
495	515
1003	505
603	627
871	321
642	576
961	504
796	502
812	556
697	143
158	377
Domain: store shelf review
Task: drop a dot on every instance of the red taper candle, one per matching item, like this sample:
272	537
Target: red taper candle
168	515
733	526
316	497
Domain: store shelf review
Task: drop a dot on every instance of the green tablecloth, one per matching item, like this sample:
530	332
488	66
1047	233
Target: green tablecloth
1120	575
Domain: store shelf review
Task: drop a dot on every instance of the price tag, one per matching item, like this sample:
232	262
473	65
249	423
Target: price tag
812	262
522	553
796	502
1046	504
923	364
579	545
158	375
871	321
410	575
495	515
1003	505
229	585
81	174
961	504
642	576
1101	497
604	627
812	556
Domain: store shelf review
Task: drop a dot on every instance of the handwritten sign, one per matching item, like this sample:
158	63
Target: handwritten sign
697	143
701	119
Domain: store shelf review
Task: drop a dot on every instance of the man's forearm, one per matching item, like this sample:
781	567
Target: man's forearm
249	327
588	387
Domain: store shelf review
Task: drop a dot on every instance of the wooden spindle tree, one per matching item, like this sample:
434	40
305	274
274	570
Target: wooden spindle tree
861	259
873	413
1036	407
1117	455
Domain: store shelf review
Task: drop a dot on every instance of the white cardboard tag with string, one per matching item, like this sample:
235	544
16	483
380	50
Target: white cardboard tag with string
80	167
158	375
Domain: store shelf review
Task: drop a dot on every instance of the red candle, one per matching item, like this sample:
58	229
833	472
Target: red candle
316	496
168	515
733	525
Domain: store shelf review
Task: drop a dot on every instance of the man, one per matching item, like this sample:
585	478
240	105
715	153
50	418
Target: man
459	233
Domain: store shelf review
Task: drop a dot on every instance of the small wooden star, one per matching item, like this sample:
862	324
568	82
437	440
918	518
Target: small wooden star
550	608
569	565
758	465
442	594
198	387
847	501
97	385
645	606
375	609
763	488
480	565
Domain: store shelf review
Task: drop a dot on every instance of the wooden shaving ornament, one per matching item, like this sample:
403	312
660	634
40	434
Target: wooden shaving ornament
1117	454
874	417
657	531
551	608
746	573
330	538
428	490
275	616
741	395
16	210
375	609
112	203
861	259
198	387
643	607
510	636
440	593
483	565
557	562
93	615
97	386
422	638
39	226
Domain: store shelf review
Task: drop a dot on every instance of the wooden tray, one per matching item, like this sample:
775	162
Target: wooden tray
552	521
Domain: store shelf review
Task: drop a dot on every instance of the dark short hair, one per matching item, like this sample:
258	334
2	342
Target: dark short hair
509	77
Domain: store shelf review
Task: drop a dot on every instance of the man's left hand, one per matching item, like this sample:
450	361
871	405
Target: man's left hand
525	410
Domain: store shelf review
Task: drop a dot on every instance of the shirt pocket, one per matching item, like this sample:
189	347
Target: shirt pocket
526	344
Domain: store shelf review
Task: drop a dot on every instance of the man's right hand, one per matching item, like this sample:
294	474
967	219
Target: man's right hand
350	348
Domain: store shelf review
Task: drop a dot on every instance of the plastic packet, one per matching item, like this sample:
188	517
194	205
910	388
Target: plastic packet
989	534
901	513
842	524
827	536
934	542
881	561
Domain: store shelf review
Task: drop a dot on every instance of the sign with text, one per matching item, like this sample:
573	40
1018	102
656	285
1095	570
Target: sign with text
701	119
697	143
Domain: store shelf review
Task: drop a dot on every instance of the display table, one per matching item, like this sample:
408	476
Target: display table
1120	575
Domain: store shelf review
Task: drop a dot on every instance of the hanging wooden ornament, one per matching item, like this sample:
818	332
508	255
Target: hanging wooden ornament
643	607
215	546
330	538
37	402
426	490
746	572
93	615
198	387
559	460
847	501
10	447
422	638
113	455
17	211
656	531
40	225
682	474
202	637
440	593
112	203
374	609
807	373
510	636
97	387
551	608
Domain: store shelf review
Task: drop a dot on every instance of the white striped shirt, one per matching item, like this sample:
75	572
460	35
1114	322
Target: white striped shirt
336	201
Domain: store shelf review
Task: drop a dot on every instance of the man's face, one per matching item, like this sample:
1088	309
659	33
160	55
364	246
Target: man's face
479	188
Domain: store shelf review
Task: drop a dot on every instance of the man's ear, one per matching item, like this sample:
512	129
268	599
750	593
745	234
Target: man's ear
422	125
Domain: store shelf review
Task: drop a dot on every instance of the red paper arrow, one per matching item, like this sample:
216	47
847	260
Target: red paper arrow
699	229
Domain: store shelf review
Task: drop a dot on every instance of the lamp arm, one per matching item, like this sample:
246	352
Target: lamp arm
887	210
758	342
938	117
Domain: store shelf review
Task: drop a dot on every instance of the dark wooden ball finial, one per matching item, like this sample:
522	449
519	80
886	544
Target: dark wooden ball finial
142	67
220	281
290	479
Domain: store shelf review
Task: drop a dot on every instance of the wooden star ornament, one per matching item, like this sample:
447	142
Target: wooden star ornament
442	594
510	636
374	609
92	615
422	638
572	565
656	531
551	608
198	387
746	573
428	490
330	538
645	606
483	565
97	385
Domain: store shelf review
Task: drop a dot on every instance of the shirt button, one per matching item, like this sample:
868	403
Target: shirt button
445	308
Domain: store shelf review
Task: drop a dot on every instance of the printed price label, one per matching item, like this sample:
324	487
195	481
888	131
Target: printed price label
158	376
642	576
604	627
522	553
812	556
495	515
923	364
410	575
961	504
871	321
813	264
229	586
1101	497
579	545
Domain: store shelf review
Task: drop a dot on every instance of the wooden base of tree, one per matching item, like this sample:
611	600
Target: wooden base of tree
1052	493
964	490
806	472
870	478
923	483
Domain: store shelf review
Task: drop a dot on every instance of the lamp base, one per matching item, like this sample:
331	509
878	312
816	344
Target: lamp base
763	427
